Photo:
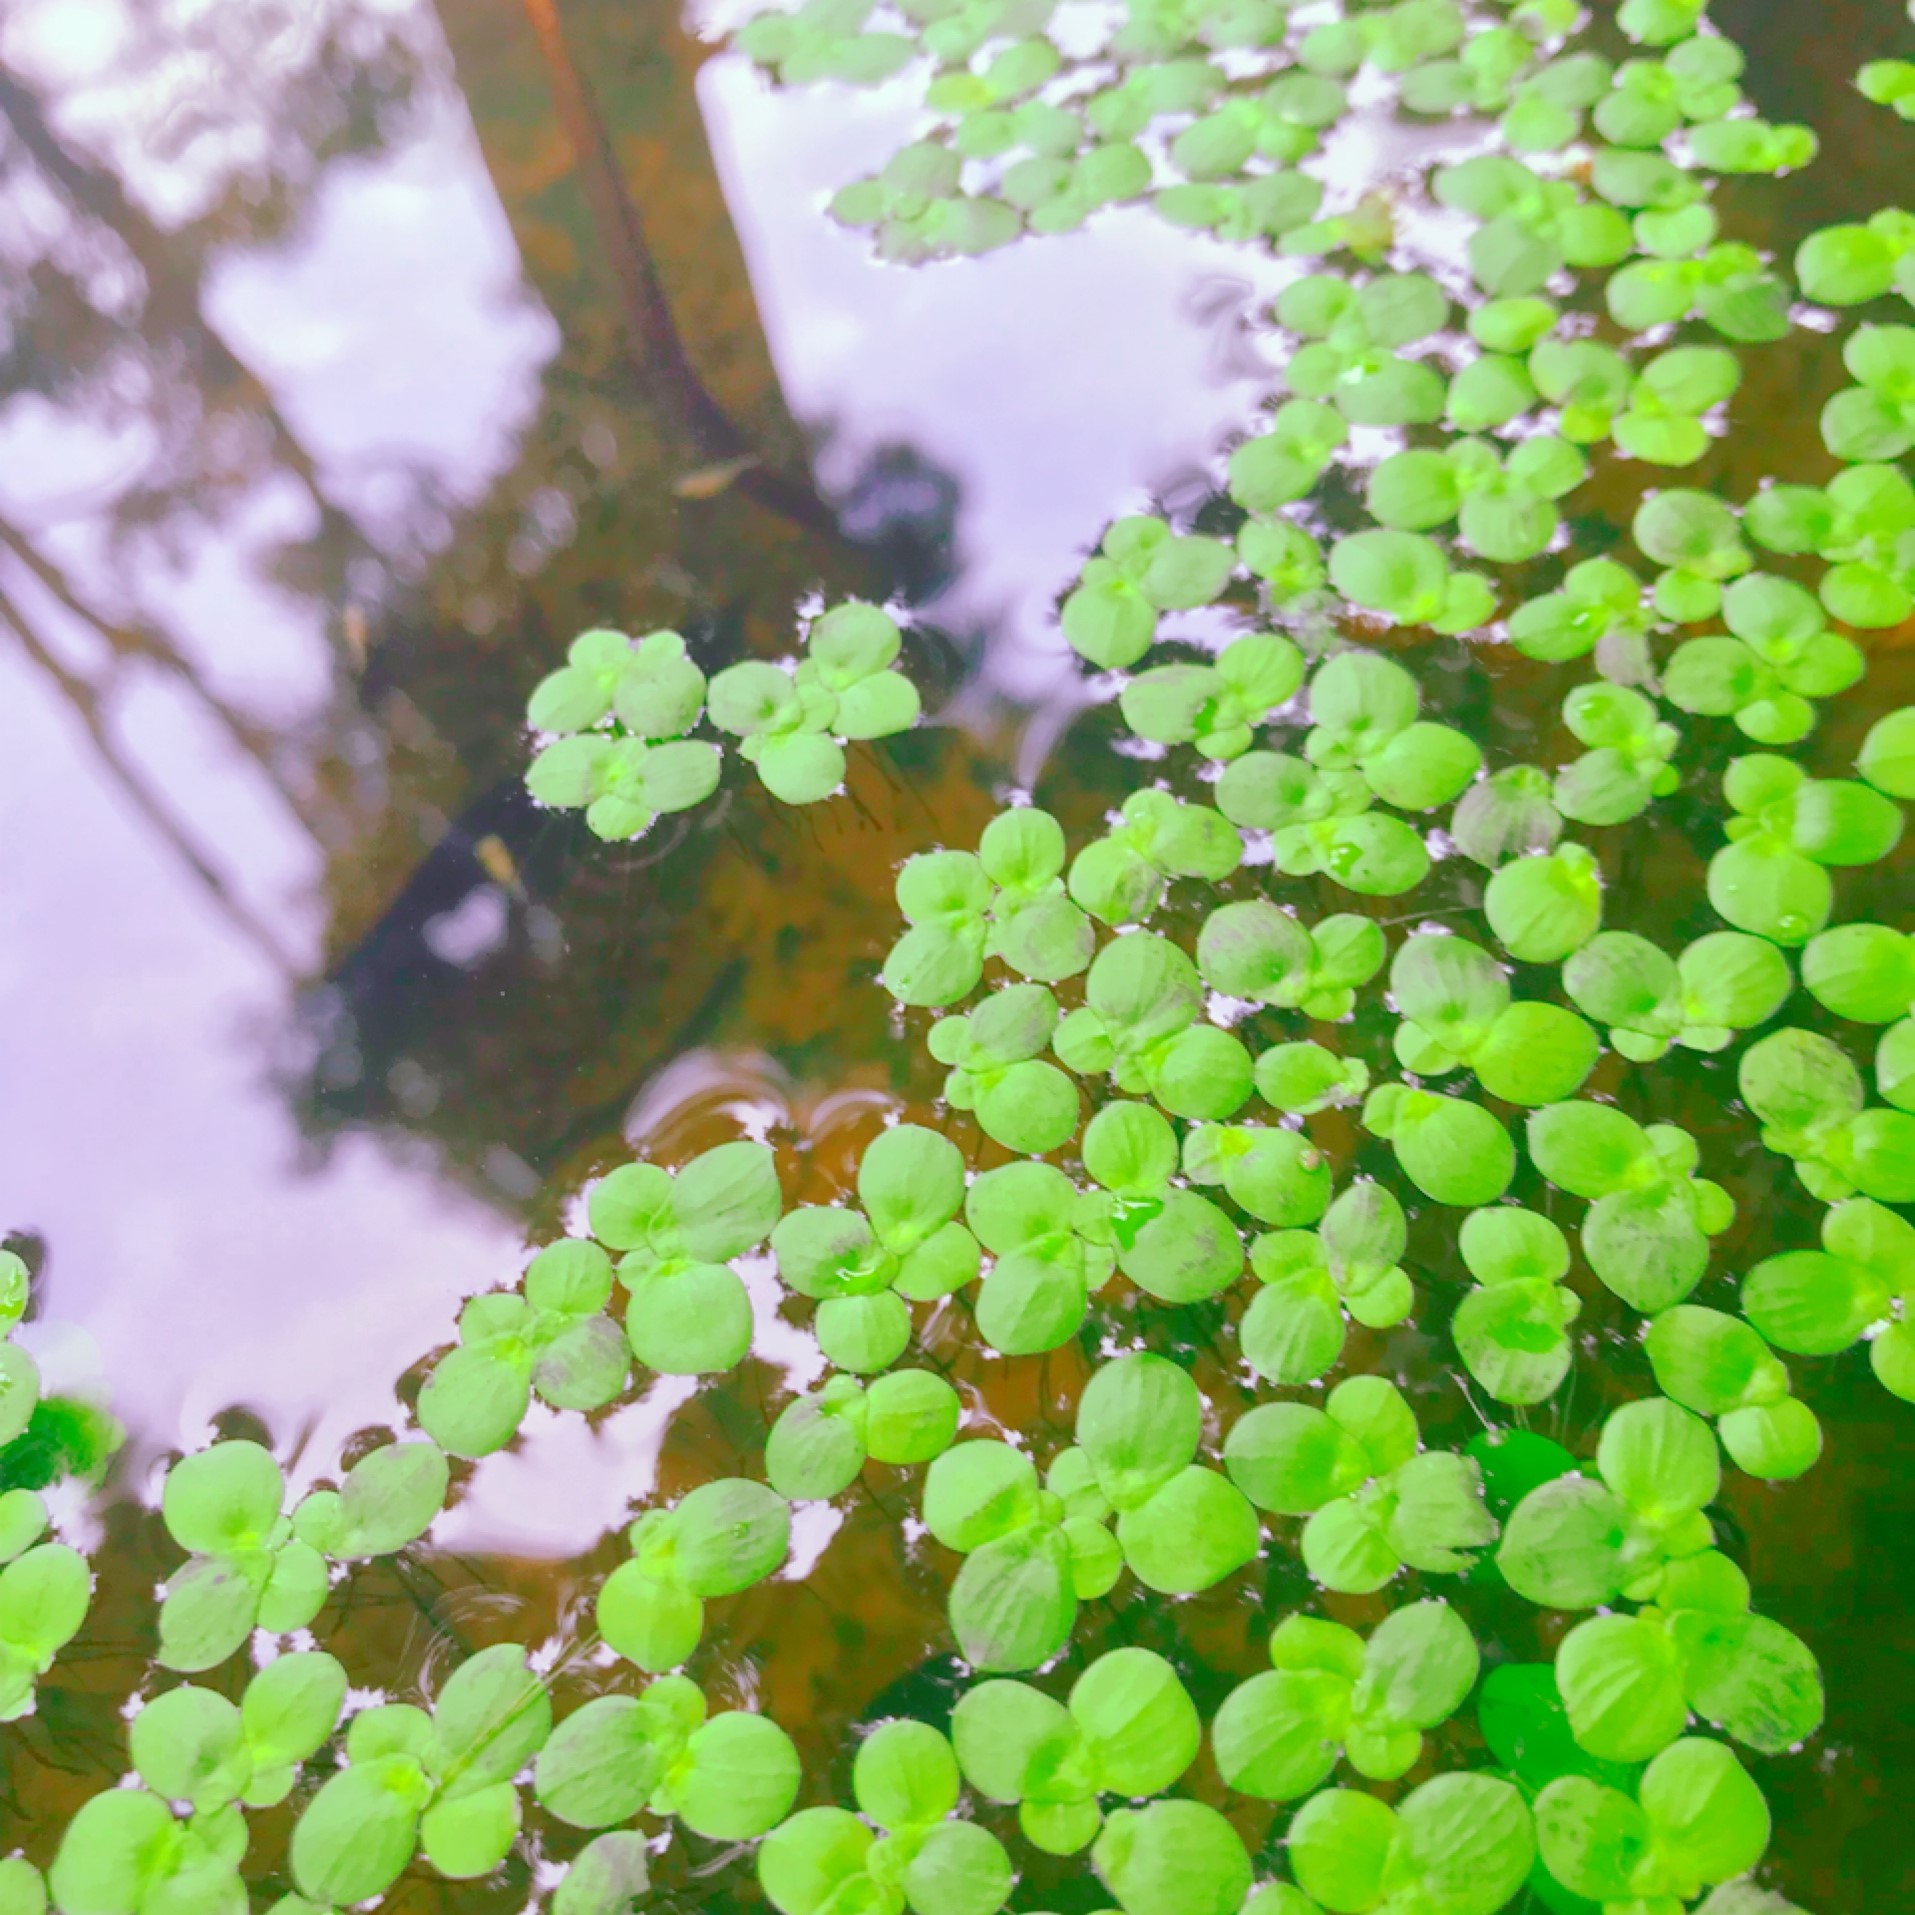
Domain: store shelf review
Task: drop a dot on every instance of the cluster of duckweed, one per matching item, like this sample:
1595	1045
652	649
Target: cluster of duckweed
1176	1111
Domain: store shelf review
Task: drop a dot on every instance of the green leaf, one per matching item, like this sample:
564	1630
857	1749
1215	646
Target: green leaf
118	1845
1341	1846
807	1861
1143	1727
1276	1736
1292	1458
727	1535
1452	1150
905	1773
608	1876
653	1624
355	1837
1563	1544
1749	1676
961	1869
1139	1420
1190	1534
224	1498
1467	1839
1013	1601
1861	971
1172	1858
1544	907
1621	1683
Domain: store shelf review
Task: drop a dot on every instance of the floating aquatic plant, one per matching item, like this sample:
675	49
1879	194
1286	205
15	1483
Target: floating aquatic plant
1137	1082
620	711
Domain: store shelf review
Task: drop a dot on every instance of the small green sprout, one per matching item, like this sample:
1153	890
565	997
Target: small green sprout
1464	1840
1320	821
1121	878
1174	1857
1454	1001
1728	285
1509	814
192	1745
1781	656
864	1266
821	1442
1028	1559
1721	984
1874	419
44	1591
1861	524
247	1568
1376	1501
689	1313
1512	1330
1717	1365
1453	1151
925	1859
1546	905
1865	972
1128	1728
1173	1244
790	725
1302	1078
1576	1542
720	1539
1627	764
441	1782
1697	1818
998	1073
1182	1526
1646	1234
1354	338
728	1778
1139	1023
1257	953
1215	706
1889	83
1630	1683
821	40
1363	709
125	1848
1813	1108
1859	1284
1887	757
1699	542
554	1338
1275	1175
1050	1251
1850	265
1329	1693
1530	227
1285	462
624	784
1142	570
1293	1330
1504	507
1598	608
1007	901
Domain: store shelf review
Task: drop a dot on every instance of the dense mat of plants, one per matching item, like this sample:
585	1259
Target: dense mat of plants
1161	1058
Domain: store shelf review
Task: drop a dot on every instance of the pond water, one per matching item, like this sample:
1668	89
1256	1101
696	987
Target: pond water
330	411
